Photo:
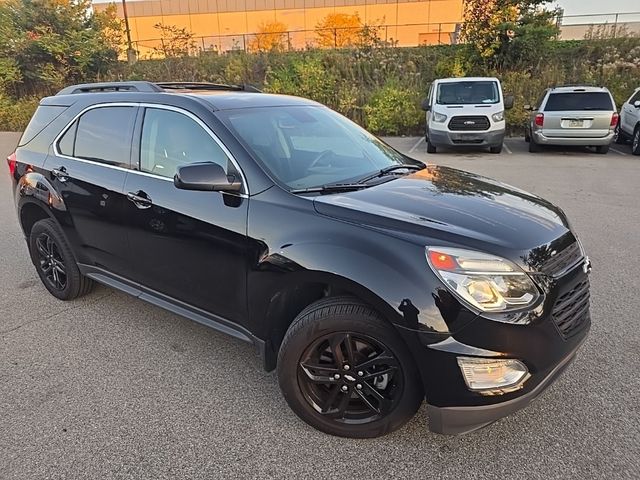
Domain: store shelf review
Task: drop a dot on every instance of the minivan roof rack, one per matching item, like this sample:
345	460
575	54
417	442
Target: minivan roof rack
577	85
151	87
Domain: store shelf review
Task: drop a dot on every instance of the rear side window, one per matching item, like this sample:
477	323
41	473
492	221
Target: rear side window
579	101
45	114
101	135
635	98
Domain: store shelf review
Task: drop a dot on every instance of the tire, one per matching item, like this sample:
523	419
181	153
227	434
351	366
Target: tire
496	149
602	149
527	137
635	144
346	321
533	146
55	263
431	148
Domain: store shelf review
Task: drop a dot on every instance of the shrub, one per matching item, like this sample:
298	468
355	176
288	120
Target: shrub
393	110
15	115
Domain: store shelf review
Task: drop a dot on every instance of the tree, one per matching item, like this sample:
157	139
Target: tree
506	33
270	36
46	44
338	30
175	42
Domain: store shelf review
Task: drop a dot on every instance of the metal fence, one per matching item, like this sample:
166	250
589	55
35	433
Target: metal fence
572	27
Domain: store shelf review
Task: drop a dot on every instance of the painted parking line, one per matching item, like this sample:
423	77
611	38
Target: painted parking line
507	149
617	151
416	145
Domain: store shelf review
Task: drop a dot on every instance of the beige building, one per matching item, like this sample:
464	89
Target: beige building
223	25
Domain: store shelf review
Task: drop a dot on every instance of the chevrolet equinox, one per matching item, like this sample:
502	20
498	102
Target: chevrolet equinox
369	280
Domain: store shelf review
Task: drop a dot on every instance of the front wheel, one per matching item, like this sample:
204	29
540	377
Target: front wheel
496	149
431	148
618	136
635	145
346	371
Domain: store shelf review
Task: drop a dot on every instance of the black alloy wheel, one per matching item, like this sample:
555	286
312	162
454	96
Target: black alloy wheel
55	263
350	378
51	264
345	370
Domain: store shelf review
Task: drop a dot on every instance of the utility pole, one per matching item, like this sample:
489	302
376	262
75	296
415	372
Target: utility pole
131	53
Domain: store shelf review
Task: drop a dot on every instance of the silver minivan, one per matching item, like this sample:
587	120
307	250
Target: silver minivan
572	115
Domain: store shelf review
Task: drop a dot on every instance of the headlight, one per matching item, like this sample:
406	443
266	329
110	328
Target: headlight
486	282
439	117
498	117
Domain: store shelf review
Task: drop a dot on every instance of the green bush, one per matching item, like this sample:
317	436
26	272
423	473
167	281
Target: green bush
15	115
393	110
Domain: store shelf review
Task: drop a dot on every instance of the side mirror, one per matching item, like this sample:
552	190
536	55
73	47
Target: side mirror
425	105
636	104
527	107
207	177
508	101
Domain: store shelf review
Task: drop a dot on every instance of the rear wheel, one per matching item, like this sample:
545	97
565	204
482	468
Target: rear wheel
533	146
54	262
635	145
602	149
346	371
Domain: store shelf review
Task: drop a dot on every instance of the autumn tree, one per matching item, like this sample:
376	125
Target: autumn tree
338	30
506	33
270	36
175	41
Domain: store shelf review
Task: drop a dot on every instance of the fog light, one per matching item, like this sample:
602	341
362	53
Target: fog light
493	376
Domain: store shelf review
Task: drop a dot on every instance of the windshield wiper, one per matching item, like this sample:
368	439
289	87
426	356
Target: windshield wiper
384	171
331	187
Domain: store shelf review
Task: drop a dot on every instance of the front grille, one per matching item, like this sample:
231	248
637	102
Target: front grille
469	141
571	309
469	123
562	260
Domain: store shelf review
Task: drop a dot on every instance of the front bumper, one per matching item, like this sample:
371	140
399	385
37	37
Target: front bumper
489	138
541	139
539	342
457	420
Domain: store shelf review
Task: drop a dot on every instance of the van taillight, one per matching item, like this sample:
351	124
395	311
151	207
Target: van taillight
11	160
539	119
614	120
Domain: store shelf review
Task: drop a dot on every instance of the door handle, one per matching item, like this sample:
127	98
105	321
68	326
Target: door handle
140	199
60	173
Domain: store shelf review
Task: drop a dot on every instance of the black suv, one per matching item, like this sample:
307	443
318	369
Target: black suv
368	279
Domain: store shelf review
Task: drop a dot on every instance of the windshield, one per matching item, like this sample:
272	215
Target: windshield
468	93
558	102
305	147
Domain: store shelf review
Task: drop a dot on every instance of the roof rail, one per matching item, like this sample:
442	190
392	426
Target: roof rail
206	86
578	85
150	87
134	86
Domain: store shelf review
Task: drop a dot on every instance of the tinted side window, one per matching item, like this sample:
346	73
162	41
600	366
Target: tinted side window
539	101
635	98
45	114
579	101
103	135
171	139
68	140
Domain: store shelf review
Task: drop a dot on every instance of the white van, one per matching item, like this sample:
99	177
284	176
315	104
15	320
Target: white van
466	111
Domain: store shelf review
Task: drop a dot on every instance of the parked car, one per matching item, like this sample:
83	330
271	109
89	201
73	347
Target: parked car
369	280
629	126
572	115
466	112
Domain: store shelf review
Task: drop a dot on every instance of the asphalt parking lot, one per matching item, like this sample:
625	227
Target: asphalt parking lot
111	387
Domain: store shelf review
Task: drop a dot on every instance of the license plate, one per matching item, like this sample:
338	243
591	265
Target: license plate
575	123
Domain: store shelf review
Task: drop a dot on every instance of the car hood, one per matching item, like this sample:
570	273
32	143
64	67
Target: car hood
442	202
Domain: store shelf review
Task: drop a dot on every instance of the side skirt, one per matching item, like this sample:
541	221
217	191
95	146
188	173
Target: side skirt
173	305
